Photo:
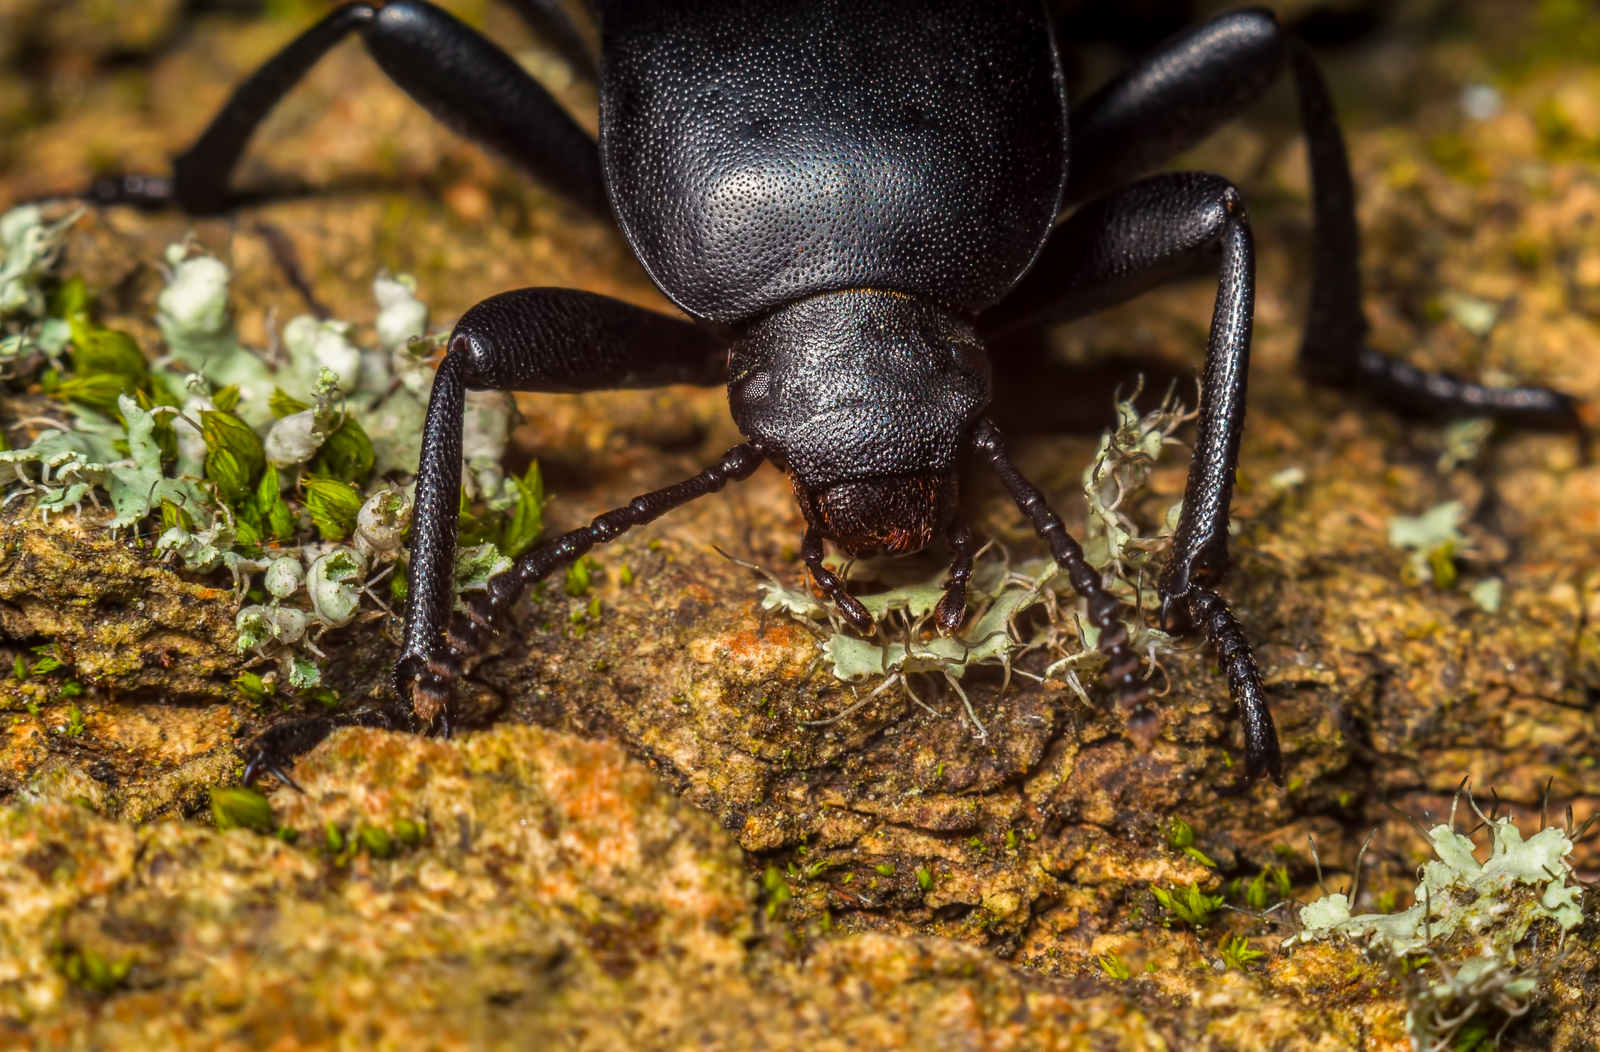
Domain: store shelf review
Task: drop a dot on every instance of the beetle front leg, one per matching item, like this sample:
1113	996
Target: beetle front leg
833	589
555	340
1105	611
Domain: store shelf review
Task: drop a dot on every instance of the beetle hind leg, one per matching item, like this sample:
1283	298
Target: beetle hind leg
1334	349
1187	88
453	71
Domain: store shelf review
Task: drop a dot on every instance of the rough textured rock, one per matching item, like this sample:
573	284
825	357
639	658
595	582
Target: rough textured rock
556	896
978	883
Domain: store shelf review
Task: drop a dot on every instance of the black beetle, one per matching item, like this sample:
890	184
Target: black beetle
849	199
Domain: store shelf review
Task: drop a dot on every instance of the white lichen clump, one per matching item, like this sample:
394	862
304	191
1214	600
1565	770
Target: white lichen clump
1478	910
29	251
329	422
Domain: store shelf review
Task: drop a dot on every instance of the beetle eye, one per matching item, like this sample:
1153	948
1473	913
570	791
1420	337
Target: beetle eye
757	386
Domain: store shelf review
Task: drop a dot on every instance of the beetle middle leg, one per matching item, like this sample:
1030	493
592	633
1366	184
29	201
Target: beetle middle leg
1172	99
1116	247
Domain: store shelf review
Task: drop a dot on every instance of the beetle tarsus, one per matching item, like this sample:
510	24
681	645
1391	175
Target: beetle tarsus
275	749
138	191
1263	756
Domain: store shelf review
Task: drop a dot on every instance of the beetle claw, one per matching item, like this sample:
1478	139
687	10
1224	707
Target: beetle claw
851	609
952	609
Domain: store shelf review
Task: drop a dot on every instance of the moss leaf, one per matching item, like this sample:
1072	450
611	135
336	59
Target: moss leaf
346	454
333	506
526	521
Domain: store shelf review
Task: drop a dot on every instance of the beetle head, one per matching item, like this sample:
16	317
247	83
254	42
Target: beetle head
864	397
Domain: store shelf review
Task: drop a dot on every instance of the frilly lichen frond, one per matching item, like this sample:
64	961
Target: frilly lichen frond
904	644
1480	911
1432	541
1113	538
1459	895
30	247
990	639
294	463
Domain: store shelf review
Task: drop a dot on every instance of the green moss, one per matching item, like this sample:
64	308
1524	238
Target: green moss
1114	967
239	807
377	842
580	577
1235	951
1189	904
88	969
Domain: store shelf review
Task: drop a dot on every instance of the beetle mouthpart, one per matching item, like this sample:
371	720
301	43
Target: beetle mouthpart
428	699
866	518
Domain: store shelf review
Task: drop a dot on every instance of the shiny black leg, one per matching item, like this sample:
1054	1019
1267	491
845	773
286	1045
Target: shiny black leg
1110	251
557	340
465	81
1189	87
1172	99
429	662
1334	349
1105	612
1199	558
832	588
425	675
550	22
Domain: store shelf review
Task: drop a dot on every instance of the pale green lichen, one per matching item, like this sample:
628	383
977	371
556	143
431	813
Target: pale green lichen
1464	440
1487	594
1474	315
219	438
1433	540
1460	895
29	251
1485	909
1121	467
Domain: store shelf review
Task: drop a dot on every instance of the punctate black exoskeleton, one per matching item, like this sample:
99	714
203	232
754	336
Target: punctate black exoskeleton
848	200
